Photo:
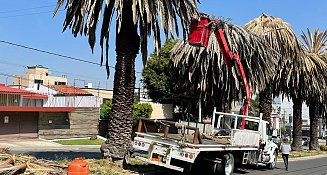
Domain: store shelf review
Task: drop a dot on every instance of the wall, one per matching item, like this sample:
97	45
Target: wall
161	111
102	93
72	101
81	123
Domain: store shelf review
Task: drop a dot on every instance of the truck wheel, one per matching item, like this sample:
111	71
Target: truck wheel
272	165
226	167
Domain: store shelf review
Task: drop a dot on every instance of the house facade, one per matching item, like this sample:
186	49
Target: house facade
32	113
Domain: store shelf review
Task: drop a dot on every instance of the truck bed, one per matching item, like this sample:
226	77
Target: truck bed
207	140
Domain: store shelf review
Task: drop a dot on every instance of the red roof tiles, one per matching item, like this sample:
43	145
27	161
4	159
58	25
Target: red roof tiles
26	94
69	90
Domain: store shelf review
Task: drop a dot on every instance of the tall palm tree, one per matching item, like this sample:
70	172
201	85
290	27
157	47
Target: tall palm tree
315	47
205	69
281	38
289	77
135	20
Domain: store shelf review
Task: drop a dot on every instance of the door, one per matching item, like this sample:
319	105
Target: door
18	125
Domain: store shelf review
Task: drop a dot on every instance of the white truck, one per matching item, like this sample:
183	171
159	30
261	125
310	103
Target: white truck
221	146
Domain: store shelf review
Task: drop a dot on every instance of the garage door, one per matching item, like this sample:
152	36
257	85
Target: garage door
18	125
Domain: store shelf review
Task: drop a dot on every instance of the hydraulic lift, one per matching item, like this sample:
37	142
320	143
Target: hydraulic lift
201	28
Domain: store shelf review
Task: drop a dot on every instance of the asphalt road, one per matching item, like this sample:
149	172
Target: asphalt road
316	166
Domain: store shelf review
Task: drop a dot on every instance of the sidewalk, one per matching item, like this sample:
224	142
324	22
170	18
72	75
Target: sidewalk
35	145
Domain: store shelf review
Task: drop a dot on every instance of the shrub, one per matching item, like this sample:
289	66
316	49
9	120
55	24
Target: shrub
139	110
323	147
104	110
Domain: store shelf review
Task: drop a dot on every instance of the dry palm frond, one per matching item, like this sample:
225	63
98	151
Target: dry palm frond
316	65
316	43
282	39
205	68
84	15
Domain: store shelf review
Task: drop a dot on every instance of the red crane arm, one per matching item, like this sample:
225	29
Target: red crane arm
199	36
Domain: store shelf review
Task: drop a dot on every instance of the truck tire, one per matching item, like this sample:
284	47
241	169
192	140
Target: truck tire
226	167
272	165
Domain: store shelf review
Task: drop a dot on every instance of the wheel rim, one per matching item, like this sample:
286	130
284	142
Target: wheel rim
228	167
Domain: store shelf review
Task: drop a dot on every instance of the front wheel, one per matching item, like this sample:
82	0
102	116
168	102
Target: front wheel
272	165
226	167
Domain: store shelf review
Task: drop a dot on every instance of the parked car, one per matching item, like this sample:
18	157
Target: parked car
305	140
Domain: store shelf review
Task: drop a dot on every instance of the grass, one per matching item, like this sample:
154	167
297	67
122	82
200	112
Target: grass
81	142
104	166
304	153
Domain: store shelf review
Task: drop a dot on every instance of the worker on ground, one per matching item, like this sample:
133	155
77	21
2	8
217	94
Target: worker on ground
286	149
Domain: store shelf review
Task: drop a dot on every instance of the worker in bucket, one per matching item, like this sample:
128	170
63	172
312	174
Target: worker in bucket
286	149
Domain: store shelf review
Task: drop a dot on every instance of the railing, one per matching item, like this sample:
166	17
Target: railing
196	138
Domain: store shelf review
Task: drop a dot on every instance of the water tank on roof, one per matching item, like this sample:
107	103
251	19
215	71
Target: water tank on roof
88	85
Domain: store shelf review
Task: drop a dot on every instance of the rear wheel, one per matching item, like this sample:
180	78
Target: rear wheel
226	167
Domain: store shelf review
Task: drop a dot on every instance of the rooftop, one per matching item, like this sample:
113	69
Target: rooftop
69	90
26	94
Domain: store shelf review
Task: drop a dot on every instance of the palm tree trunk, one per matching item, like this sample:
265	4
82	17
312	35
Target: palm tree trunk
297	124
118	143
314	115
265	101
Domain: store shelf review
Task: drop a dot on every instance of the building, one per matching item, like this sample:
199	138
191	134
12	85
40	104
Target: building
37	75
47	112
103	94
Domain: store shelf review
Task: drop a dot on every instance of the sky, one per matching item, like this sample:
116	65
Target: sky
31	23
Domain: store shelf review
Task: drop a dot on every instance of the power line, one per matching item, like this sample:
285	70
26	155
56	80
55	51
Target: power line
50	70
24	9
53	53
26	14
50	53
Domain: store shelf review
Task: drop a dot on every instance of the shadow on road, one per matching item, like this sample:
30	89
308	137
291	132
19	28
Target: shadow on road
63	155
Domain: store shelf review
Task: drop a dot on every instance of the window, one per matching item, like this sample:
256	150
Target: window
38	81
251	125
60	83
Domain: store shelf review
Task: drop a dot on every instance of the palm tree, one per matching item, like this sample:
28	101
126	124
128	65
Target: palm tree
289	79
205	69
315	47
281	38
135	20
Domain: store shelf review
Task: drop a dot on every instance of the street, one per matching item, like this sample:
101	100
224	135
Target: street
316	166
51	151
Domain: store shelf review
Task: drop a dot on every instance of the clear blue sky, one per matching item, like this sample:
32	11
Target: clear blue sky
31	23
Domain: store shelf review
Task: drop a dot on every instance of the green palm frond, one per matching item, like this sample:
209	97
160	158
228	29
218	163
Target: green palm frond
83	17
205	67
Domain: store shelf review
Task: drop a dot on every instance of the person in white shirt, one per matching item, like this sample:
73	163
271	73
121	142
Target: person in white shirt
286	149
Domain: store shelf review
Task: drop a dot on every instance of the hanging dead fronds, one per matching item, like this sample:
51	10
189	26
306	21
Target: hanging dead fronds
206	70
316	65
281	38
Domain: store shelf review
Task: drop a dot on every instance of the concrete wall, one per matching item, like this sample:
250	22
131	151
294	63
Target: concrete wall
161	111
81	123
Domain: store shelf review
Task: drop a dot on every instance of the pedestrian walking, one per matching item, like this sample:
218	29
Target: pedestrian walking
286	149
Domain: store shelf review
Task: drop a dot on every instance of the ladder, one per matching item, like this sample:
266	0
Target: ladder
245	157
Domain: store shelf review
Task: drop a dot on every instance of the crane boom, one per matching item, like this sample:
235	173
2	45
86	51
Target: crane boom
200	30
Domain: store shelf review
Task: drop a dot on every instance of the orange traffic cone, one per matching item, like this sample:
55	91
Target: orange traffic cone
78	167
